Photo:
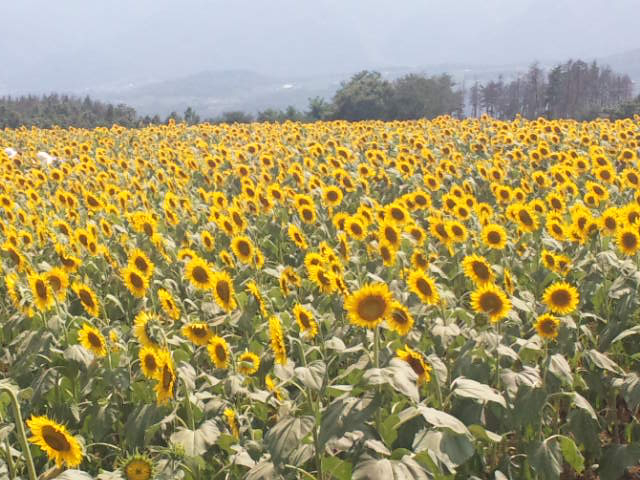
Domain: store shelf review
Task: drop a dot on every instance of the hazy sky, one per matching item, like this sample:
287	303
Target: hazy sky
71	44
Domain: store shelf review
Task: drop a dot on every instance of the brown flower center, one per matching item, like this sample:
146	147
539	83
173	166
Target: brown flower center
55	439
561	298
371	308
200	274
490	302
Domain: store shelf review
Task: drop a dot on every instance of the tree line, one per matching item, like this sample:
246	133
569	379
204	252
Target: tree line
574	89
47	111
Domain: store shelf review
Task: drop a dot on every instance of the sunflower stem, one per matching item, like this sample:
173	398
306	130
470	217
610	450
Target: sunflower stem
10	467
315	410
22	436
376	361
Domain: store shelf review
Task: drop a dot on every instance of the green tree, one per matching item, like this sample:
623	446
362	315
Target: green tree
365	96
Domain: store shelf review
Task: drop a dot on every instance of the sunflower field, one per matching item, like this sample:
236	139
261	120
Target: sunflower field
444	299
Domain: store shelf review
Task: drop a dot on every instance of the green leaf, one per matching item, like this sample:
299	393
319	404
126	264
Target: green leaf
630	387
399	375
264	470
450	450
481	433
345	415
74	475
196	442
78	354
312	376
584	404
571	453
283	438
627	333
384	469
546	459
616	458
335	468
560	368
441	419
602	361
468	388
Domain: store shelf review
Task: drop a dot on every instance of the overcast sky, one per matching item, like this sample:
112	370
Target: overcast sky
70	44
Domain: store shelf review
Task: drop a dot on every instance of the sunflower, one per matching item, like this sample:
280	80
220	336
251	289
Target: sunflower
149	361
324	279
306	322
609	221
252	286
387	253
135	281
490	299
494	236
54	439
417	362
272	387
91	339
355	227
141	329
548	259
43	297
419	261
424	287
208	242
166	377
248	363
370	305
11	282
390	233
397	213
628	240
198	332
297	237
526	218
307	214
547	326
457	231
58	280
199	274
477	269
223	292
508	281
168	304
561	298
69	262
276	335
139	260
219	352
243	249
332	196
230	416
138	467
400	319
87	298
